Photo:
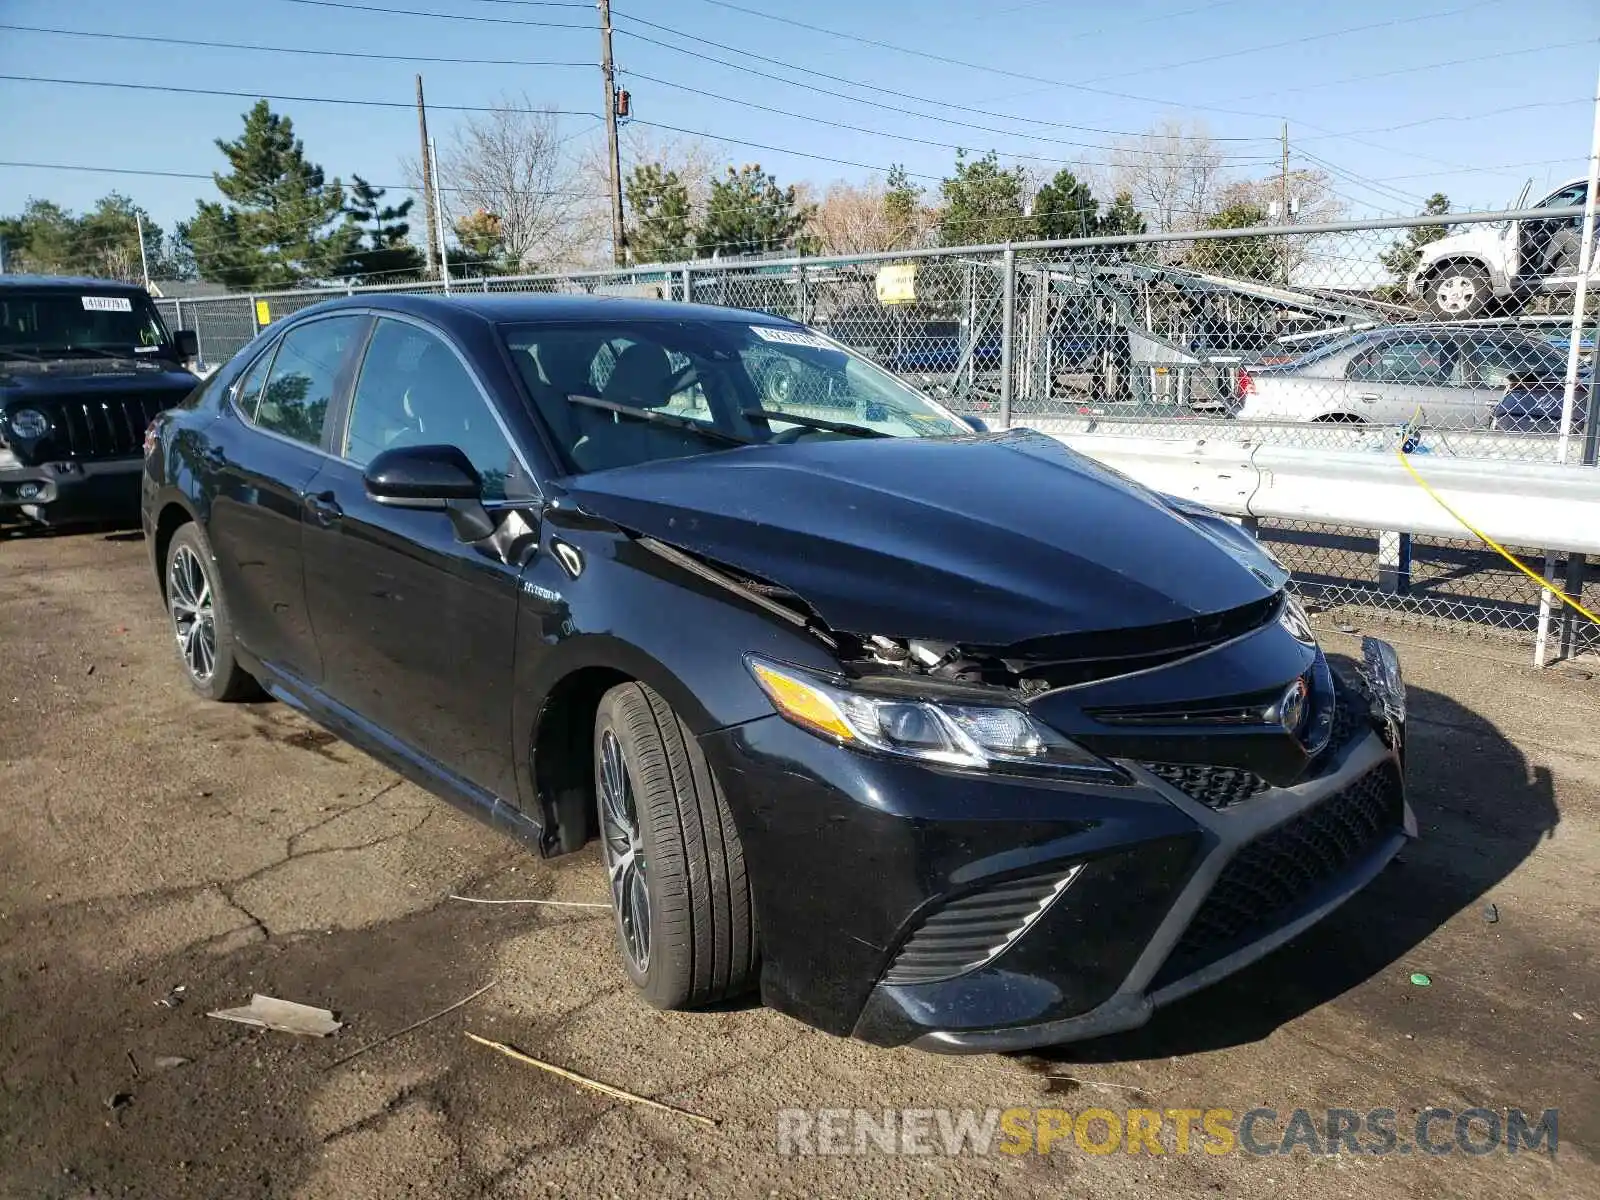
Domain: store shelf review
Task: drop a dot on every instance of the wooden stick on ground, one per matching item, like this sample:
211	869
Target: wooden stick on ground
583	1081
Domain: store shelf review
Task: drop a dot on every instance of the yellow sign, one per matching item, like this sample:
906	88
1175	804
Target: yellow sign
263	313
897	283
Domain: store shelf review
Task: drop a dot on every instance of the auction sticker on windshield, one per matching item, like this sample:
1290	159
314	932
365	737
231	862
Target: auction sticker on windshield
789	337
108	304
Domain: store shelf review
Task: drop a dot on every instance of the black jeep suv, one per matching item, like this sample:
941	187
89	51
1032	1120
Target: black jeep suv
85	366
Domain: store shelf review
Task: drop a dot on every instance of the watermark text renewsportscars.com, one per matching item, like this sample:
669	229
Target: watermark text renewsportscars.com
1433	1132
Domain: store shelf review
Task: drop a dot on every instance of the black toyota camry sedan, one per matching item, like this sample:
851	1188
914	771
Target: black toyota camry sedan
931	734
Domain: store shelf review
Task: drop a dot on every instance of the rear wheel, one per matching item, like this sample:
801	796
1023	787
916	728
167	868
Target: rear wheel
685	922
199	620
1458	291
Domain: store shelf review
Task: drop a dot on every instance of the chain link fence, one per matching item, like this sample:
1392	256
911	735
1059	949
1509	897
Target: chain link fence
1348	336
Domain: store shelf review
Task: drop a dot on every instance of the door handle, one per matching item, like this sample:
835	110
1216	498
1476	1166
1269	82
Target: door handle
1368	397
324	508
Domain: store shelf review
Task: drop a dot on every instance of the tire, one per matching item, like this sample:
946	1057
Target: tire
1459	292
195	605
680	854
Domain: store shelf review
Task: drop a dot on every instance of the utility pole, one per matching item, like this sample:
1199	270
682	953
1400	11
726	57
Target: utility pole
618	246
427	179
1283	199
144	262
436	221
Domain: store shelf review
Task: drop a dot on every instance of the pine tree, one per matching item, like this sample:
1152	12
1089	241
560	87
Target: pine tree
982	203
658	202
1065	208
1121	218
902	206
1403	256
388	255
748	213
1259	258
273	229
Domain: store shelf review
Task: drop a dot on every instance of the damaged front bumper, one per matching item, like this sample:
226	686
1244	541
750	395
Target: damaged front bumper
966	912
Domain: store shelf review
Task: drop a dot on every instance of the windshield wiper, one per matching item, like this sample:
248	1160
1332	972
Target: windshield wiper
670	420
25	356
822	423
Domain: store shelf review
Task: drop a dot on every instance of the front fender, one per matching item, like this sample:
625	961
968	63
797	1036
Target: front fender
632	613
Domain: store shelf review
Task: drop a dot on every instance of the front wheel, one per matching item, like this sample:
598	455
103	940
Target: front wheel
1459	291
199	620
685	922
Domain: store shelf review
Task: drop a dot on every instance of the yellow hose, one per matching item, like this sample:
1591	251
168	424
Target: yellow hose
1405	461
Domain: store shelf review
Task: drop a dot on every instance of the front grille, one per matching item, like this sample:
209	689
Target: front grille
966	933
89	428
1215	787
1267	880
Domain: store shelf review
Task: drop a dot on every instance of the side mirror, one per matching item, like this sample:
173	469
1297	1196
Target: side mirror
421	477
432	477
187	343
976	424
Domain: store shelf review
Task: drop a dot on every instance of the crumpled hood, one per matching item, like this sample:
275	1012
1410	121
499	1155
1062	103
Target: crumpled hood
986	541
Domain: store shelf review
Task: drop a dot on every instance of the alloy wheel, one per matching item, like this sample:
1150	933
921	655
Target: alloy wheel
189	600
623	849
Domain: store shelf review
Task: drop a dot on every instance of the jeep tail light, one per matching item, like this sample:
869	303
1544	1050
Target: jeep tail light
1246	386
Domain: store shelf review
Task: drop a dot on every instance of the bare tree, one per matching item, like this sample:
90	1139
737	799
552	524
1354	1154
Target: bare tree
1173	172
513	163
1312	200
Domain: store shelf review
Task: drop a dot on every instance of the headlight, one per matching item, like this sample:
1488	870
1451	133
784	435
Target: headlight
1380	667
1294	620
29	423
948	732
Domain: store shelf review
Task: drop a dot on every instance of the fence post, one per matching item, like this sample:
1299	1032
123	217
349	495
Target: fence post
800	298
1008	314
688	291
1394	562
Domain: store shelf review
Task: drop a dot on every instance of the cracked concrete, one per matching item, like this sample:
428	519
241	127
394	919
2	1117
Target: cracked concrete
149	840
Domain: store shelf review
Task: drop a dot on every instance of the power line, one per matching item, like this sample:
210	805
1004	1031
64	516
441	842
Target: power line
746	53
1412	70
191	43
174	89
412	12
1299	41
876	105
899	137
1452	117
872	87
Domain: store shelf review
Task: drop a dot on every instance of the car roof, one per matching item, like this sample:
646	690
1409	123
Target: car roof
67	283
510	308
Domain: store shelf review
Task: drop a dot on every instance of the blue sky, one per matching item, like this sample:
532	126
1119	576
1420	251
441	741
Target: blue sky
1406	128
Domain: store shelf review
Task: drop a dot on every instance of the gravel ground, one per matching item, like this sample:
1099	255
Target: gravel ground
149	841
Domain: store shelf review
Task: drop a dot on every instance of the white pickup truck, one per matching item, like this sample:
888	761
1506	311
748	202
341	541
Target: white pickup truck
1503	263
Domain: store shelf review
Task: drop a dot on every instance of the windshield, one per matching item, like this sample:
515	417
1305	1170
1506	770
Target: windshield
696	387
66	322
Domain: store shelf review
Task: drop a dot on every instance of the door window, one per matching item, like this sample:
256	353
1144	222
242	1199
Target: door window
304	373
1412	360
1567	197
247	392
1493	362
414	391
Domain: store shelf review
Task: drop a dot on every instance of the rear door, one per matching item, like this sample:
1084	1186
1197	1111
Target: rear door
417	629
265	450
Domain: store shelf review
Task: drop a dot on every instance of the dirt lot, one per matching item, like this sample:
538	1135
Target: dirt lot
149	841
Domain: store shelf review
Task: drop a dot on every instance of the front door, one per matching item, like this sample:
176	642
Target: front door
1389	383
267	446
417	629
